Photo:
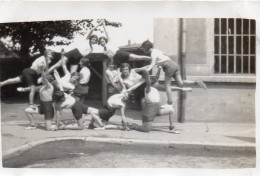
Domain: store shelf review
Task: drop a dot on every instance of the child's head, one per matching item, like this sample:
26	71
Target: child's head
102	41
125	96
58	96
49	78
84	62
125	69
111	65
146	46
48	53
93	39
74	77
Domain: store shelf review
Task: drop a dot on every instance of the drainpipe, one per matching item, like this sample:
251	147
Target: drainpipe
182	61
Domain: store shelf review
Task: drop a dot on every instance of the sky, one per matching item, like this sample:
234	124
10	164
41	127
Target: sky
136	30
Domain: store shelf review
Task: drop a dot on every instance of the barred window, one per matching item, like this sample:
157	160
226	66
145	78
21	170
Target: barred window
235	46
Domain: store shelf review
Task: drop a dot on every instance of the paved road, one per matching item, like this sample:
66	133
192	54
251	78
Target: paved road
80	154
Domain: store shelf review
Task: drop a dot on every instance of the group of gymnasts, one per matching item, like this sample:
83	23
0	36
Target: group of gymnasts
70	90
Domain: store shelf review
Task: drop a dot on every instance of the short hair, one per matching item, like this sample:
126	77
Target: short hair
123	65
49	78
58	96
146	45
85	61
100	38
93	36
48	51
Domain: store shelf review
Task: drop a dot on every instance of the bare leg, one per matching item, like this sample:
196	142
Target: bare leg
57	65
29	113
180	82
134	57
97	119
168	89
168	111
48	125
146	127
32	93
80	123
10	81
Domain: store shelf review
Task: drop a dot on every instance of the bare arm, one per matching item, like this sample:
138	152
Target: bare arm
135	86
107	36
122	83
57	77
91	31
44	79
151	65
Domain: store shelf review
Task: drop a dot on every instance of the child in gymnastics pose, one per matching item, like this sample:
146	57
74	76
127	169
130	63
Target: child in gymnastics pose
170	68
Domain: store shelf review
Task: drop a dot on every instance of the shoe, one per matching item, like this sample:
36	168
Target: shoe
100	128
174	131
166	106
20	89
202	85
30	128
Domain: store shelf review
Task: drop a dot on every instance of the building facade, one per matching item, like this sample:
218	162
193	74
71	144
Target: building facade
221	52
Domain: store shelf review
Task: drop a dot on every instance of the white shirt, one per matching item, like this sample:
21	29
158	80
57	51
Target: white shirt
110	51
132	79
68	103
84	75
153	96
65	82
159	56
114	74
38	63
46	93
115	101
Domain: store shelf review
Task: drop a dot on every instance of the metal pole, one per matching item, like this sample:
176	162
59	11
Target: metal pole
181	59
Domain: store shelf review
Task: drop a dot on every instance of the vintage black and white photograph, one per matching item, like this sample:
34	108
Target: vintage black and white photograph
147	92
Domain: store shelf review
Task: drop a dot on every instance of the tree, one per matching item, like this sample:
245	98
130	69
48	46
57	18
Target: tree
35	36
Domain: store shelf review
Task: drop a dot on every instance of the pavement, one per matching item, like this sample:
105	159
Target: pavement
223	136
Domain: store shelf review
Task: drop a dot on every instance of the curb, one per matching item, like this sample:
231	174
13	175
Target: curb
160	143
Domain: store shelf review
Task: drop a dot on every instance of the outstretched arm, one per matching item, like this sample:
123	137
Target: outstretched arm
57	77
63	63
135	86
91	31
107	36
44	79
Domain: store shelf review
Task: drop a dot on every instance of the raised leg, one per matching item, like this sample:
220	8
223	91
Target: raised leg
10	81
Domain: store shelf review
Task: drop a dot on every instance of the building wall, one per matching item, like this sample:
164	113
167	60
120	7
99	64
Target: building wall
228	98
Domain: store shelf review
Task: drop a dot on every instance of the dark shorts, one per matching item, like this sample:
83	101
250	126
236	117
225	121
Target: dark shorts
150	111
73	56
121	57
170	68
106	112
80	90
47	109
29	76
78	109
